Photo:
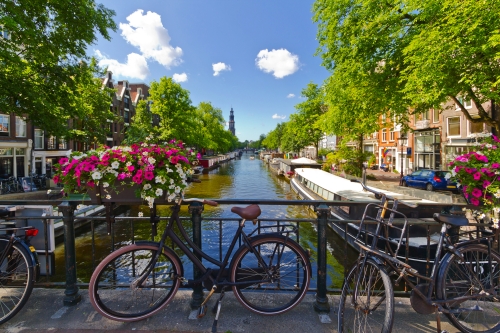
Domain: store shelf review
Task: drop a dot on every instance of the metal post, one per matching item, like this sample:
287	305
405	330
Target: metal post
321	304
196	208
72	293
401	141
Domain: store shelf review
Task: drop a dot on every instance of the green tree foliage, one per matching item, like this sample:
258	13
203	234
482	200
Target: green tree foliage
305	123
90	105
173	105
410	55
46	41
273	138
141	125
210	132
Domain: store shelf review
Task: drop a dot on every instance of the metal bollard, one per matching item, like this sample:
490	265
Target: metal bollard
321	304
196	208
72	292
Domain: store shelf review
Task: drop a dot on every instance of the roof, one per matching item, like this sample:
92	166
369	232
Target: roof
303	160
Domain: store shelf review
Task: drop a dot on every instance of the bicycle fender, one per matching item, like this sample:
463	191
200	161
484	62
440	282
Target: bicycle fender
288	240
33	257
166	249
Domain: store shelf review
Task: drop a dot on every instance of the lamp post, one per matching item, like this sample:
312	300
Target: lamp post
401	140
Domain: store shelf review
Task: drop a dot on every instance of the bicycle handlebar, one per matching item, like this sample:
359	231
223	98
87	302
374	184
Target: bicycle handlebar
379	195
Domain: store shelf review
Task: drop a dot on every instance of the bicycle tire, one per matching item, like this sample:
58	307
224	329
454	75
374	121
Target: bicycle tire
291	275
16	280
111	288
374	311
459	277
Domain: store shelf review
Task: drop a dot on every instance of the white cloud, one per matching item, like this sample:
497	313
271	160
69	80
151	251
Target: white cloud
136	66
219	67
278	62
146	32
290	96
180	77
276	116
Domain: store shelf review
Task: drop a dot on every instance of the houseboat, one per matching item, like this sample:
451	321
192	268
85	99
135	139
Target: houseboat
314	184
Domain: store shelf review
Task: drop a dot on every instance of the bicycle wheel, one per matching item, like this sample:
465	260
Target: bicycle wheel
372	310
16	280
278	287
114	291
471	275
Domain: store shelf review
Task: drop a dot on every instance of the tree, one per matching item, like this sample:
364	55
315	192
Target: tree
141	125
90	105
173	105
413	55
273	138
304	124
43	45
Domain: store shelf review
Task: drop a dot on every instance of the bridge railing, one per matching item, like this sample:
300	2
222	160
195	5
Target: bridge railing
312	234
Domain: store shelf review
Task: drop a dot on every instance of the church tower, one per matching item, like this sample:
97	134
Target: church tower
231	121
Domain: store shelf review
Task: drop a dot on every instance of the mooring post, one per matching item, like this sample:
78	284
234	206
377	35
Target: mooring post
321	304
72	295
196	208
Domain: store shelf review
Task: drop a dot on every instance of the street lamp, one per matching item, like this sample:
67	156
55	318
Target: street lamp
401	140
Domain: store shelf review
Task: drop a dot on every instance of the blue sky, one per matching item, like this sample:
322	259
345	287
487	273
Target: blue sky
255	56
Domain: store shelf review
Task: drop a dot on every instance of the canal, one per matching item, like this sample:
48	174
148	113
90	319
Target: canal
238	179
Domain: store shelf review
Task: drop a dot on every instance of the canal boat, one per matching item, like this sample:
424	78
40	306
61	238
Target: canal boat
314	184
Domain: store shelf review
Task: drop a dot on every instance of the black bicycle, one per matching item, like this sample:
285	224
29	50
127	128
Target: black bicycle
19	267
464	284
269	273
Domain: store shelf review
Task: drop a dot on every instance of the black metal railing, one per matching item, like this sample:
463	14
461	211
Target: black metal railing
73	282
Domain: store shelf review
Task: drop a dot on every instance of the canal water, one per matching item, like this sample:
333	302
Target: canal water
243	178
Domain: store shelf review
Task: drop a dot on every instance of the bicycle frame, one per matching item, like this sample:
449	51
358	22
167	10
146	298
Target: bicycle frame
192	255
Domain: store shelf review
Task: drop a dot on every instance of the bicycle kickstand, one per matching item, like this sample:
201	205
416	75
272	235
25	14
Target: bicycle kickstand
217	311
438	322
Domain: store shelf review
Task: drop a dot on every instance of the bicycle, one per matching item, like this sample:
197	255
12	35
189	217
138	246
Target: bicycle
19	267
464	284
138	280
14	185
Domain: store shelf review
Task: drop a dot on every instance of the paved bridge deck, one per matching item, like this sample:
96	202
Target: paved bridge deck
45	312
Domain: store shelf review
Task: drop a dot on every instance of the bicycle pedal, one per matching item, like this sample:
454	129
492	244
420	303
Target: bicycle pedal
202	311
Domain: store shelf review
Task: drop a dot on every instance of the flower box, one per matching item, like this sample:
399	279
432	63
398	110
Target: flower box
137	174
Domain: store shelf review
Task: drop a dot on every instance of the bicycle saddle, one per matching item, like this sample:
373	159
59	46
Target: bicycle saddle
455	220
248	213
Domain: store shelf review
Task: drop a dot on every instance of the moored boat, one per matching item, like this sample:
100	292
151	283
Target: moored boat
314	184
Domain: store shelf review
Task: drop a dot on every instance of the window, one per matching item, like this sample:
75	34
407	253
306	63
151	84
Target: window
126	101
126	116
20	127
426	115
38	139
475	127
63	144
391	135
436	116
384	135
467	103
51	143
454	126
4	125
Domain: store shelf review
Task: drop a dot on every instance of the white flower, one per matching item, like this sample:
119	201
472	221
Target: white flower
177	189
96	175
141	214
128	164
104	184
115	165
159	192
48	191
108	196
151	160
146	187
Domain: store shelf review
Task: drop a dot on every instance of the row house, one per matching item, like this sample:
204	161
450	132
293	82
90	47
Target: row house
26	149
435	138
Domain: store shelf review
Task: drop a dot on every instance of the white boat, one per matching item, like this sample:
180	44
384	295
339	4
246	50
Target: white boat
314	184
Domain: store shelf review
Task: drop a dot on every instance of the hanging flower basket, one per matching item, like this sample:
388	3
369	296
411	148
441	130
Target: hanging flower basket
136	174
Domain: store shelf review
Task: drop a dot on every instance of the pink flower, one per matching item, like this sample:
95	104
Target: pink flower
130	168
477	176
174	159
477	192
486	183
495	165
474	201
149	175
55	179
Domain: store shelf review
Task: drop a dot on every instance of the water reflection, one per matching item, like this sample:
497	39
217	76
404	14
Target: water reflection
237	179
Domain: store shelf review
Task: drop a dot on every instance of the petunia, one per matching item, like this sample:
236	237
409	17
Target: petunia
477	192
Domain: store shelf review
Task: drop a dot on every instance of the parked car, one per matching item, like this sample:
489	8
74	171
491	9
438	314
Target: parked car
384	167
430	180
